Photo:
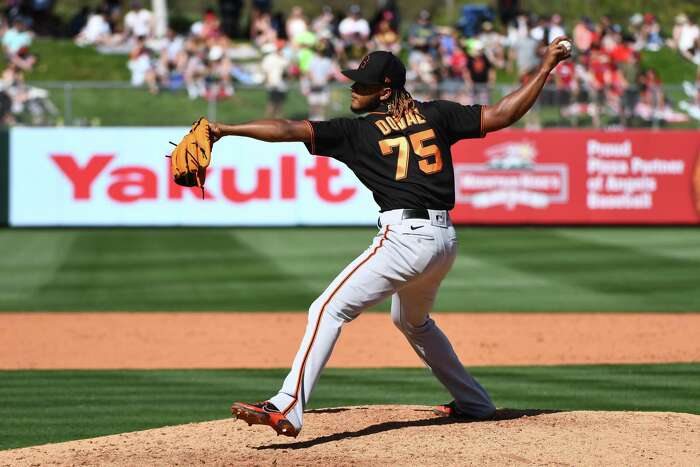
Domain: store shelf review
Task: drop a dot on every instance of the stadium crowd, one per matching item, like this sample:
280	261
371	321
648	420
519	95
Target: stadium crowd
458	62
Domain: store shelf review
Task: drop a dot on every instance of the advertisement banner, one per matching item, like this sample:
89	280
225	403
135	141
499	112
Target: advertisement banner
119	176
578	177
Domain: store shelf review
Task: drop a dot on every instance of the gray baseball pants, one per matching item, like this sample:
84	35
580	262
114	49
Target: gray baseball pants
407	260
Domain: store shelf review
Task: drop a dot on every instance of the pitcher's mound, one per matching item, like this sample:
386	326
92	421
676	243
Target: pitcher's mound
401	435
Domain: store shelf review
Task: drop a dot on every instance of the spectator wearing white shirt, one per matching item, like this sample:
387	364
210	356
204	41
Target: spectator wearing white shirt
354	26
688	35
274	67
315	83
96	30
142	67
139	22
555	28
296	24
17	37
173	59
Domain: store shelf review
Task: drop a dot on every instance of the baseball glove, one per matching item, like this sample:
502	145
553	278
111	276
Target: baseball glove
190	159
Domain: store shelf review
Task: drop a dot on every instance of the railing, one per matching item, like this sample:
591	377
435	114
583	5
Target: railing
119	104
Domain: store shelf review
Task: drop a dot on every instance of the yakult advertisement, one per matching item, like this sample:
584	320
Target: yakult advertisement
119	176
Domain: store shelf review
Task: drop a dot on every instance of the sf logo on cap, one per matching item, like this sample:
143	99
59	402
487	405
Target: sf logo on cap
363	63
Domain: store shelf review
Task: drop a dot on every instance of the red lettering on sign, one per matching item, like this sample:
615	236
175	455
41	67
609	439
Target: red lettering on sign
324	173
81	177
133	184
288	177
262	190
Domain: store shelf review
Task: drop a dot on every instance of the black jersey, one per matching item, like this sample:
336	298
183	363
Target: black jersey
407	163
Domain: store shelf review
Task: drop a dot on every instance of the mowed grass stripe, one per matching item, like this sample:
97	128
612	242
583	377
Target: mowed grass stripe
50	406
531	269
554	269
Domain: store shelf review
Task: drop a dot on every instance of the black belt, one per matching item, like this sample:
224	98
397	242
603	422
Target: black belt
415	214
410	214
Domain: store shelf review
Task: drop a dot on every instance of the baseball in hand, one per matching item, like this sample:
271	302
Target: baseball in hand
567	45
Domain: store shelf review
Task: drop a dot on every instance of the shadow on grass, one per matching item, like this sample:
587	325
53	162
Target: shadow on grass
500	415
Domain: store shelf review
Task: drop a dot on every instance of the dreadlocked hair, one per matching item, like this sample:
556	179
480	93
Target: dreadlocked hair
400	103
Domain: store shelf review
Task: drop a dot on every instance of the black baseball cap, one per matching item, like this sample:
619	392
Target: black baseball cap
379	67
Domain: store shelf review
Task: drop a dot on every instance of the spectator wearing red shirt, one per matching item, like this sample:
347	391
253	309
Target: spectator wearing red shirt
566	88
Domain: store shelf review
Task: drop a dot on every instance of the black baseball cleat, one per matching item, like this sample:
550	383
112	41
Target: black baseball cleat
264	413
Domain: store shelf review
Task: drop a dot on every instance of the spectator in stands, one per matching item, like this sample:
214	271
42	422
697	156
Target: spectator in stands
387	11
481	74
315	83
494	44
518	28
354	27
584	35
262	30
423	65
138	22
597	65
324	24
650	33
524	54
686	35
422	36
218	80
16	42
453	86
196	69
172	61
211	26
556	28
96	30
386	38
566	90
18	99
258	9
274	66
354	33
296	24
692	91
651	96
540	31
142	66
13	93
626	60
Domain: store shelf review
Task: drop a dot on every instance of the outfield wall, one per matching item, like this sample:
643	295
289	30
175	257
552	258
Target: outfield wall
119	176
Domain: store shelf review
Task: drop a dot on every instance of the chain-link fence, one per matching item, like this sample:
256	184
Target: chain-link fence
120	104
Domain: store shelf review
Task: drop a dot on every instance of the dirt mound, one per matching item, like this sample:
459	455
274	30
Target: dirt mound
397	435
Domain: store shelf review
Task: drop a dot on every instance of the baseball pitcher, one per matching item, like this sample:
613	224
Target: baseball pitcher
400	150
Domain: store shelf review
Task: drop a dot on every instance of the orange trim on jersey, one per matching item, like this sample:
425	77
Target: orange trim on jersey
313	137
318	322
482	131
377	113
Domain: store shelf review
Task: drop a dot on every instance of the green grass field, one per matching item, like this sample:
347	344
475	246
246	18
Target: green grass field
51	406
224	269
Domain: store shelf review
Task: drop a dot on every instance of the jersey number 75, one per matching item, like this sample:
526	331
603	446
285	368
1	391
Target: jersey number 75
424	151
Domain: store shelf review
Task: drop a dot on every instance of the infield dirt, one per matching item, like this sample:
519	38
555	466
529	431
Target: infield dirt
214	340
393	435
